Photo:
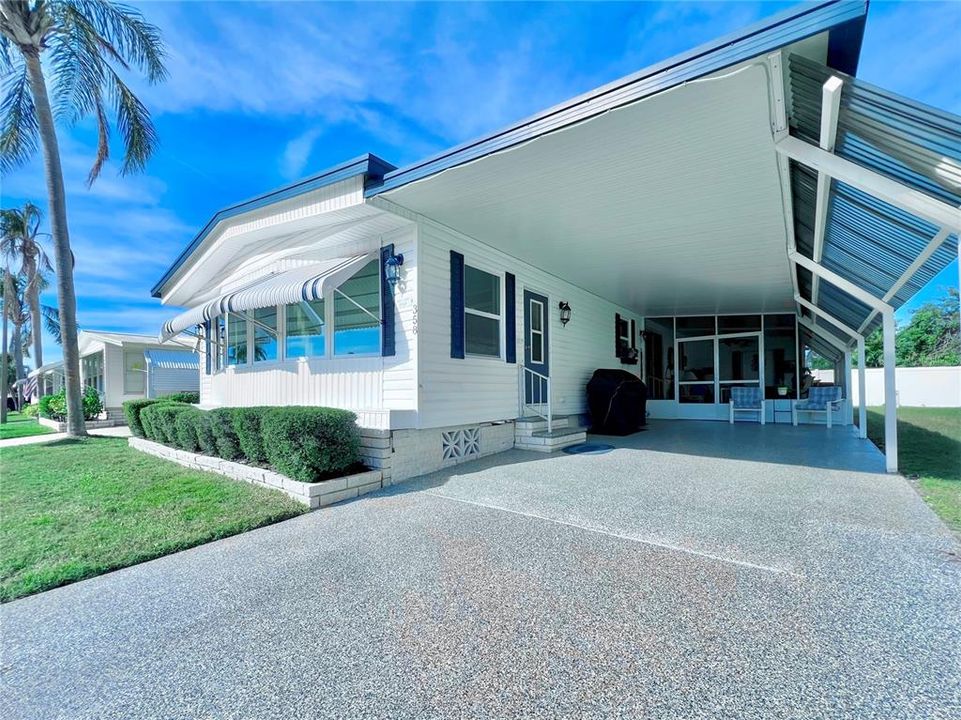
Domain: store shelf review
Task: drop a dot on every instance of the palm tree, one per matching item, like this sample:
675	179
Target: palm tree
15	310
5	357
19	230
83	42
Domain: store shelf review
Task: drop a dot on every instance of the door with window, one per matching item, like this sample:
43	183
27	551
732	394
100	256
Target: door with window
536	348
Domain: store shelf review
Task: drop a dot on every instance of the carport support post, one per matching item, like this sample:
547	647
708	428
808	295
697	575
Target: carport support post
890	397
862	392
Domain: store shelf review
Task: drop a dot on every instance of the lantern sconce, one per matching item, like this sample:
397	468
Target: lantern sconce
392	269
565	308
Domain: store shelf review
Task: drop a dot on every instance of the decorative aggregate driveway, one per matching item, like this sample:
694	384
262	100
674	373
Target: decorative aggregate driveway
698	570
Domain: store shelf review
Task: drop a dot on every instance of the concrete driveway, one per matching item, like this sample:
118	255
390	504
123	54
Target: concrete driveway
698	570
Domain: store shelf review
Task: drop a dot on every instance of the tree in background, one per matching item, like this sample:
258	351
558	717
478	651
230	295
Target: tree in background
84	42
15	311
20	244
932	337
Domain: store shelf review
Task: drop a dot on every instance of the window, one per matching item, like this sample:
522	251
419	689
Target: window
265	334
305	330
134	372
537	332
218	342
357	313
482	313
236	339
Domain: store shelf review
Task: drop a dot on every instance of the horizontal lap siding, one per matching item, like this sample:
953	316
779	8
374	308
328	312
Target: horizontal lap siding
455	391
352	384
400	369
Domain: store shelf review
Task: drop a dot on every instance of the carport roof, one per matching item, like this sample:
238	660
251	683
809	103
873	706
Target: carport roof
866	240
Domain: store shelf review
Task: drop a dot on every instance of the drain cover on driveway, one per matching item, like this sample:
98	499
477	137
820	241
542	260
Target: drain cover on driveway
588	449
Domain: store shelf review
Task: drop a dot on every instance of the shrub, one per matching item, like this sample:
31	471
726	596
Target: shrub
44	406
191	398
310	444
222	426
205	432
92	404
132	410
55	406
158	421
185	430
30	410
247	426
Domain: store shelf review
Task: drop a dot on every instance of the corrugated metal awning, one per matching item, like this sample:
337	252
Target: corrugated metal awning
868	241
292	286
172	359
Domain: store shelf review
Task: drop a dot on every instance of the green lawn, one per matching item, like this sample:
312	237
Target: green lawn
72	509
18	425
929	447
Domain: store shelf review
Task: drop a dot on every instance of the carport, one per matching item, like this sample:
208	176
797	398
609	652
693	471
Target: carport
755	174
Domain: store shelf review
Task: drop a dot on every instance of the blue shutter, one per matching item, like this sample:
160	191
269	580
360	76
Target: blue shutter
510	322
456	305
207	344
387	305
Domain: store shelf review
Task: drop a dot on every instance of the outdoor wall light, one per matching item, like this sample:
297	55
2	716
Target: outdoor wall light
392	269
565	308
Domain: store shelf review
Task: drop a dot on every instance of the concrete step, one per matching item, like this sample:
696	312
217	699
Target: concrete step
543	441
526	426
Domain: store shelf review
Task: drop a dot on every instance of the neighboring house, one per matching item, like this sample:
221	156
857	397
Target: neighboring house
680	223
123	366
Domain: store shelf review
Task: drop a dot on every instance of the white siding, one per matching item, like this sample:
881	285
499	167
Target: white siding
459	391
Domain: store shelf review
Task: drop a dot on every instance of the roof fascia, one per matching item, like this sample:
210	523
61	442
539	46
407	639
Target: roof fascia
370	166
844	17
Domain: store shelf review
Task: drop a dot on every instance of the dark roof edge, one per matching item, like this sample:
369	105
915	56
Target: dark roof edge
370	166
843	19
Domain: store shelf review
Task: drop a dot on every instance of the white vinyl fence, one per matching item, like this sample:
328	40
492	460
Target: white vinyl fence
917	387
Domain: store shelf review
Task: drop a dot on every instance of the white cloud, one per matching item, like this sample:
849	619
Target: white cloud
297	153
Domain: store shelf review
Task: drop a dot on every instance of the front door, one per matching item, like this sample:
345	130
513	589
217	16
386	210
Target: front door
535	348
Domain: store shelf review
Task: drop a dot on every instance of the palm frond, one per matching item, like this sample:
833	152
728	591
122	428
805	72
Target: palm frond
78	68
134	124
19	132
137	41
51	322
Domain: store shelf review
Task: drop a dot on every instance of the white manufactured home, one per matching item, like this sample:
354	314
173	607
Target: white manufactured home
124	366
700	224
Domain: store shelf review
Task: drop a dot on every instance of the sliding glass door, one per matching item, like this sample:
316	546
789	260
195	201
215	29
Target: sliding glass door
711	366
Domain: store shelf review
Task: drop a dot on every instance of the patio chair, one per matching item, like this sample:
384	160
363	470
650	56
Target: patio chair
746	399
826	399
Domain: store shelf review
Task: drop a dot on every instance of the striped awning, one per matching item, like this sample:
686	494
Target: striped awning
308	282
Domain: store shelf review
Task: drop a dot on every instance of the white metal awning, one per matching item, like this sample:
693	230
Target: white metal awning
285	288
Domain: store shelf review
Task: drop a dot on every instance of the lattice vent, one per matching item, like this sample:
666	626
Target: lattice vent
459	444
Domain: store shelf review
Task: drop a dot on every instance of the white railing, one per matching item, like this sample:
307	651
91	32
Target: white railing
536	395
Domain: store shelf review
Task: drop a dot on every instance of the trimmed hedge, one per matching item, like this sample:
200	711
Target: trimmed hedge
191	398
185	430
30	410
222	426
247	426
132	410
158	421
310	444
204	431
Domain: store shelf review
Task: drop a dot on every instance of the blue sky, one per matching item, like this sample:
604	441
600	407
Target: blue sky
261	94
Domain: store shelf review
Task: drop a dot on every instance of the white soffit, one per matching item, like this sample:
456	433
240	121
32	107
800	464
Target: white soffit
670	205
